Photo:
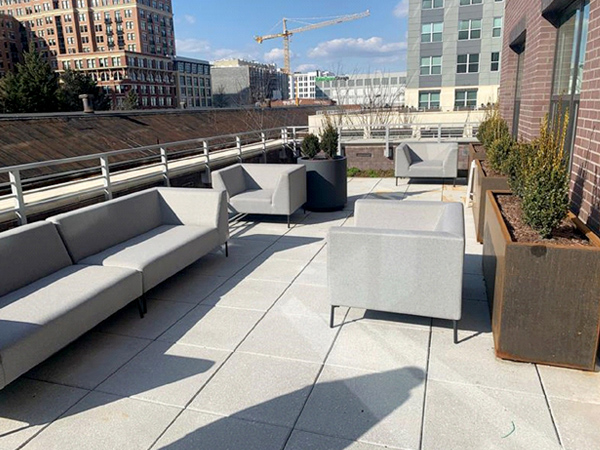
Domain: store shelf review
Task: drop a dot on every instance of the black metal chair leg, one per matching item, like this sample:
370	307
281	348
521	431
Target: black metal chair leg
331	316
226	249
140	304
455	323
288	220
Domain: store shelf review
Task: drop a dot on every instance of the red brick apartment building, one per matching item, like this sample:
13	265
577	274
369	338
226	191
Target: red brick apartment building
551	58
12	39
123	44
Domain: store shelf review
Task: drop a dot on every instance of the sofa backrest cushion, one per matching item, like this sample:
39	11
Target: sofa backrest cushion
29	253
397	215
90	230
421	151
230	179
263	176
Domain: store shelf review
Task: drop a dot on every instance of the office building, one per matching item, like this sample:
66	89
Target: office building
192	80
123	44
303	85
377	89
238	82
454	53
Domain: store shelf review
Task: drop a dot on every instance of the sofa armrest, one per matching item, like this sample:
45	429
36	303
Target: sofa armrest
410	272
451	162
195	206
290	191
402	160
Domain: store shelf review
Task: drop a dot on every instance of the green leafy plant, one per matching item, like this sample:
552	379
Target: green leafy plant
353	171
515	166
493	127
545	189
498	152
310	146
329	140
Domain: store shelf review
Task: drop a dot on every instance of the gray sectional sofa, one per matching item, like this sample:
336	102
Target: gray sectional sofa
277	189
426	160
63	276
400	257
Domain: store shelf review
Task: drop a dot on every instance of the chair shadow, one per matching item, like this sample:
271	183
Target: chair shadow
360	412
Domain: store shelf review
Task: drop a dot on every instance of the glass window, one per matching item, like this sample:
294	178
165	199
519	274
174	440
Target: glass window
429	99
495	62
431	65
432	32
469	29
465	98
467	63
497	28
470	2
429	4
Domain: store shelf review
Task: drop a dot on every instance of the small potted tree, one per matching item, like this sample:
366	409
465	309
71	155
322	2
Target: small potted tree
490	164
541	263
326	183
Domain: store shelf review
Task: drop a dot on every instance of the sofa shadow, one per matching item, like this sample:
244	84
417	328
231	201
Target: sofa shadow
346	409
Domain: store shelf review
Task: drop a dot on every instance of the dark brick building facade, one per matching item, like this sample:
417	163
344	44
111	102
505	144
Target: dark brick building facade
551	58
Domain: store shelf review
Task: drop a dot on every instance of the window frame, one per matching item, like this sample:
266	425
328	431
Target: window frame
465	103
430	66
429	93
494	27
470	30
432	32
468	63
433	2
492	62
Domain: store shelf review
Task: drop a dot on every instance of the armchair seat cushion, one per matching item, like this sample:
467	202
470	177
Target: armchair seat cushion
425	167
253	201
159	253
39	319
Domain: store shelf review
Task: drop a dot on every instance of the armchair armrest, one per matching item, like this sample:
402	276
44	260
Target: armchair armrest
290	190
402	160
199	207
410	272
450	164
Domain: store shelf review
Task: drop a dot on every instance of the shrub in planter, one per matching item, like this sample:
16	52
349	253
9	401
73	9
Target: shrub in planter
498	153
516	165
310	146
493	127
329	140
545	189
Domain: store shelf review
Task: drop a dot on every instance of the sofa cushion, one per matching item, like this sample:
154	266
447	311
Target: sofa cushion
159	253
29	253
429	167
90	230
44	316
256	201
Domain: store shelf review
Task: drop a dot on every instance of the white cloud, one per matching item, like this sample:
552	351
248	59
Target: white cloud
189	19
195	46
199	48
306	68
276	55
373	47
401	9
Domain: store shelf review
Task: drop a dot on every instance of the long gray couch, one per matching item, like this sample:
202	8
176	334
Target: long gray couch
400	257
426	160
61	277
277	189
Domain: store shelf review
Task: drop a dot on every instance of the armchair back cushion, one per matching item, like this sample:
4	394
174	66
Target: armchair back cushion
231	179
29	253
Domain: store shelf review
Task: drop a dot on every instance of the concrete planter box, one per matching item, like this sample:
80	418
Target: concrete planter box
545	299
326	183
481	185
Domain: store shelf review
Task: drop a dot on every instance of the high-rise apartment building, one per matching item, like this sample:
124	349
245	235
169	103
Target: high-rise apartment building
303	85
238	82
12	41
454	52
123	44
192	78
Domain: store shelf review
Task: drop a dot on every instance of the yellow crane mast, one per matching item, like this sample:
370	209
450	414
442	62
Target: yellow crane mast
288	33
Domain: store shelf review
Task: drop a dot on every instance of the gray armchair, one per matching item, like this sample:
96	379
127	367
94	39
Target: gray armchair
278	189
400	257
426	160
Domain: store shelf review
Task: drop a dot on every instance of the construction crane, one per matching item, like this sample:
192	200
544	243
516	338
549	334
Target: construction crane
288	33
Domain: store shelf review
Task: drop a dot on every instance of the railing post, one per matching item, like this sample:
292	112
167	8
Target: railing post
17	191
294	137
165	166
238	144
263	139
339	148
387	140
439	132
206	155
106	177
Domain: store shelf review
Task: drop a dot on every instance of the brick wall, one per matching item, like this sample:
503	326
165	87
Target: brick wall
536	95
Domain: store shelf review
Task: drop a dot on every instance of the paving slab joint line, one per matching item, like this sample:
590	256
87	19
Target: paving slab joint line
537	370
425	386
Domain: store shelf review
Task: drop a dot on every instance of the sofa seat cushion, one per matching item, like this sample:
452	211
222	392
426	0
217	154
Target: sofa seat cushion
255	201
159	253
429	167
41	318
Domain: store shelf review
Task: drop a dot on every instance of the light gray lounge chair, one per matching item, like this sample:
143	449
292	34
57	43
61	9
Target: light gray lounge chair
426	160
400	257
275	189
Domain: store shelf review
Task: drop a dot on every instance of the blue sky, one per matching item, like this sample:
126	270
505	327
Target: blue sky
212	30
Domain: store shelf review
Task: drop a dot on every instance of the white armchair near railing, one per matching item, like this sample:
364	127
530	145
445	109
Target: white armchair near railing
400	257
426	160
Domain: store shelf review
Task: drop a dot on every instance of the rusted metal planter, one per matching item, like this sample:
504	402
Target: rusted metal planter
545	299
481	185
476	153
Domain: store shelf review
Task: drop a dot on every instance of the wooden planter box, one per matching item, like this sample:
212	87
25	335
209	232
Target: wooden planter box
545	299
481	185
476	153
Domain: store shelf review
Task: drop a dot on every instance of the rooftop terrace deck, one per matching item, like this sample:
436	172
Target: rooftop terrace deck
236	353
